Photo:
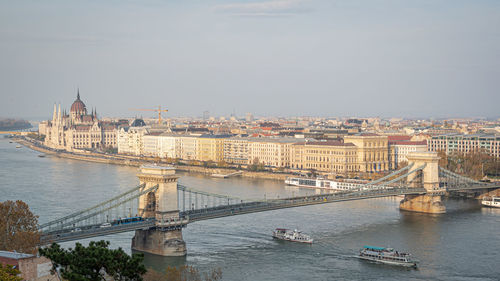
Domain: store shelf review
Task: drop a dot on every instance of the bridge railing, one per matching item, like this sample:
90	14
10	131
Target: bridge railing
271	204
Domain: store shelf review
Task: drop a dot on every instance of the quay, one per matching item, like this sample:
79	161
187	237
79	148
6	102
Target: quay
137	161
225	176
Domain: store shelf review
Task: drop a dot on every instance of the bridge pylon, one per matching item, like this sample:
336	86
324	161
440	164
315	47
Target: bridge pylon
428	178
161	205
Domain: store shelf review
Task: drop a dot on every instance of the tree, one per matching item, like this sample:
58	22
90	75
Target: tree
8	273
94	262
18	227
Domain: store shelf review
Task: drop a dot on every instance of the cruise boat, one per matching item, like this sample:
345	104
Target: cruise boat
387	256
292	235
491	202
322	183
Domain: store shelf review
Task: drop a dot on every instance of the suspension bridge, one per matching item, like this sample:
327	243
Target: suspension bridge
159	207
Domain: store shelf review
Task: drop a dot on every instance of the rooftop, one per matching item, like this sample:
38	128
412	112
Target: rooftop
14	255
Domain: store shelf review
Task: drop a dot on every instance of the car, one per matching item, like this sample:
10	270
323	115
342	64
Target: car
76	230
106	224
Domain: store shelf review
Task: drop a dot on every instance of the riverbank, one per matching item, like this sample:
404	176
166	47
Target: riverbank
136	161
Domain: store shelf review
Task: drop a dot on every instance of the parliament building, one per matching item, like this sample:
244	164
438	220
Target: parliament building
78	129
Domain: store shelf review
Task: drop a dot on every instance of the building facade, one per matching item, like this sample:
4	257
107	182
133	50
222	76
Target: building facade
78	129
372	151
210	147
131	139
273	152
325	156
236	150
459	143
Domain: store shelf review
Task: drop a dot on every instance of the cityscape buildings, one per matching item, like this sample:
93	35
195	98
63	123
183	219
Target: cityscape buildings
325	145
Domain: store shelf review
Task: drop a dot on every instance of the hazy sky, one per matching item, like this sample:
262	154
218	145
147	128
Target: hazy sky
285	57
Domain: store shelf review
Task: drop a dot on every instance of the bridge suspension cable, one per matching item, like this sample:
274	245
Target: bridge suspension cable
98	210
390	175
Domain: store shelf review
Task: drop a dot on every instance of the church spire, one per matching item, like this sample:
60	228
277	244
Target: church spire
54	115
78	94
59	114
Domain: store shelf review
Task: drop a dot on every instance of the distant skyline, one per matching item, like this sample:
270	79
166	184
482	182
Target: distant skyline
385	58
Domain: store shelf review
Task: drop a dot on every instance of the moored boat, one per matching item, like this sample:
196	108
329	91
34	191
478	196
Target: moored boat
491	202
387	256
292	235
41	155
321	183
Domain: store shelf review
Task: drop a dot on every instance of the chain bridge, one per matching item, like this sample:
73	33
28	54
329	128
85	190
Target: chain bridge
158	208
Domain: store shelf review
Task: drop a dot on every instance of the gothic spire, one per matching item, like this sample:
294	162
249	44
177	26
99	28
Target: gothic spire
78	94
54	115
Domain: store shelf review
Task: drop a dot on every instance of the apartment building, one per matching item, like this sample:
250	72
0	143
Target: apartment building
325	156
210	147
274	152
130	140
186	147
236	150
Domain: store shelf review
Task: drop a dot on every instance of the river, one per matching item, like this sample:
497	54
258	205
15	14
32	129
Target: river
463	244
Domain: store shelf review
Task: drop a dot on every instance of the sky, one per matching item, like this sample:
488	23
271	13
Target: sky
373	58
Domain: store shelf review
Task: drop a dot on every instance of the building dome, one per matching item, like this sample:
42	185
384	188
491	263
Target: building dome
138	123
78	106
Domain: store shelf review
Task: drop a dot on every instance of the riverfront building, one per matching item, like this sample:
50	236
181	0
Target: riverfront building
236	150
210	147
325	156
371	150
131	139
78	129
274	152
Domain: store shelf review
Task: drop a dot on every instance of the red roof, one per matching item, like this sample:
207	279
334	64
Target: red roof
398	138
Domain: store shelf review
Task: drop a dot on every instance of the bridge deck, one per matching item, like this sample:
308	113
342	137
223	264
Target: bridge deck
268	205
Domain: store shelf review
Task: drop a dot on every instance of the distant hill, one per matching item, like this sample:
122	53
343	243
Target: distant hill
14	124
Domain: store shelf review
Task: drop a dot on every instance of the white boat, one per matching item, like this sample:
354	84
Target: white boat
387	256
491	202
292	235
18	146
322	183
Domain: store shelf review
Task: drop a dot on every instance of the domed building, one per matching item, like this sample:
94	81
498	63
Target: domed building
78	129
138	123
78	108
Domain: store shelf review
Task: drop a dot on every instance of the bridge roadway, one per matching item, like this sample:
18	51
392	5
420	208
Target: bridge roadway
274	204
70	234
474	187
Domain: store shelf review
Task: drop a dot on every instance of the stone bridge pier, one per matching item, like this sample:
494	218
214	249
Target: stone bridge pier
161	205
428	178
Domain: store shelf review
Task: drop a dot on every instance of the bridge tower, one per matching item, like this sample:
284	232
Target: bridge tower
428	178
162	205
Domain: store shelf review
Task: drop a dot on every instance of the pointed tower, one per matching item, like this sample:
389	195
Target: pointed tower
59	119
54	115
